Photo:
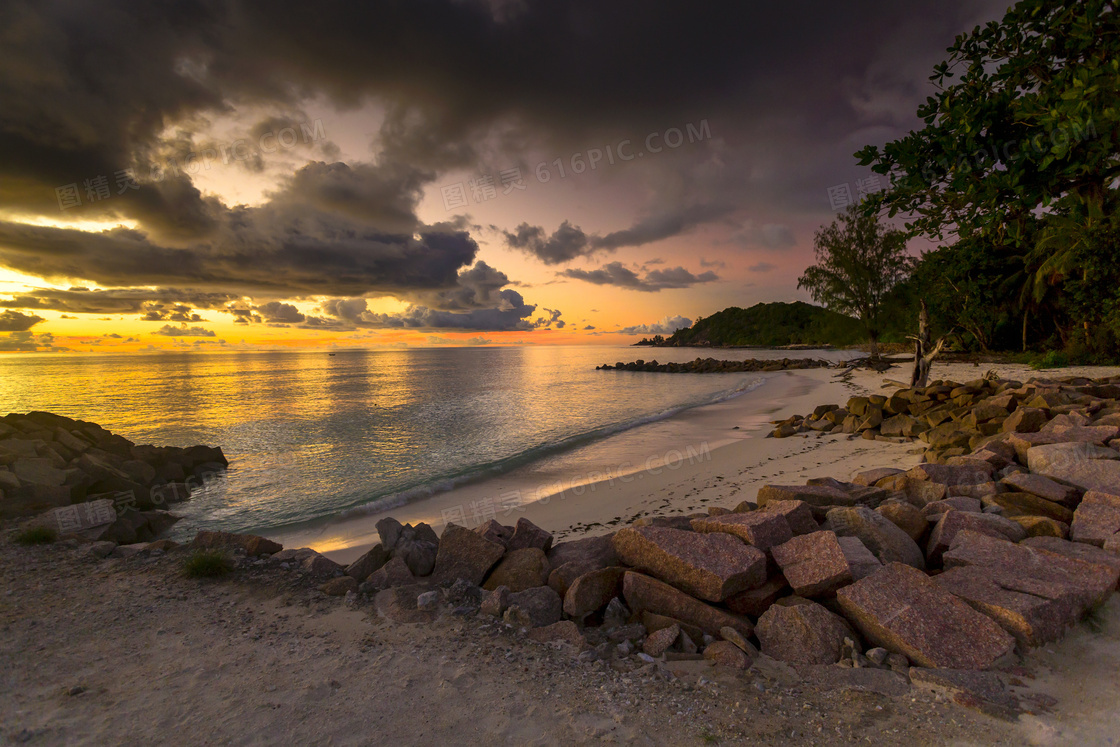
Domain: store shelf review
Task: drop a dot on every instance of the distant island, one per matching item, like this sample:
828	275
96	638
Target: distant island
771	325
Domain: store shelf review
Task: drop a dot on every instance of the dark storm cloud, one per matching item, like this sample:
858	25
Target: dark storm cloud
790	91
14	321
510	313
617	274
113	300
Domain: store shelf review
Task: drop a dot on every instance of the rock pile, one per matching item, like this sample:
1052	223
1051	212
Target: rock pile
49	461
711	365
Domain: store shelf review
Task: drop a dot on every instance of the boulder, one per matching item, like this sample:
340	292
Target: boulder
861	563
597	552
1043	487
814	495
1025	420
339	587
981	691
593	591
803	632
1097	518
534	608
977	471
394	573
813	564
251	544
495	532
1025	504
754	602
953	522
519	570
906	517
564	632
873	476
727	654
1041	526
761	529
372	560
78	517
904	611
1076	550
1012	565
709	566
464	554
798	515
1084	465
658	642
644	593
956	502
1033	611
885	540
495	602
528	534
389	530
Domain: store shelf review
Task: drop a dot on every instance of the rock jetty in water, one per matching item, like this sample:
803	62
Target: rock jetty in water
711	365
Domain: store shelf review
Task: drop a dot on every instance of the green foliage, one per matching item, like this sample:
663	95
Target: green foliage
771	325
859	261
1053	359
36	535
207	564
1016	169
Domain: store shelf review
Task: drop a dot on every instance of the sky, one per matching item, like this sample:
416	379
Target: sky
227	175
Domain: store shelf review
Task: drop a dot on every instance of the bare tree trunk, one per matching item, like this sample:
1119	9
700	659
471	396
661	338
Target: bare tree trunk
924	350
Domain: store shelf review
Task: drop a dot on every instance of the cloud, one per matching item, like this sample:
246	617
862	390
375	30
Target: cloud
766	236
666	326
114	300
275	312
615	273
14	321
183	331
27	342
762	267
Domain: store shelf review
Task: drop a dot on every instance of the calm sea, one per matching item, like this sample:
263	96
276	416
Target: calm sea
311	436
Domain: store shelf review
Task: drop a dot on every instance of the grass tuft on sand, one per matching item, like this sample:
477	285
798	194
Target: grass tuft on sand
207	564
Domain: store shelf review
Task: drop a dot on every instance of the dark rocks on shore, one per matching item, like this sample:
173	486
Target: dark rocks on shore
48	461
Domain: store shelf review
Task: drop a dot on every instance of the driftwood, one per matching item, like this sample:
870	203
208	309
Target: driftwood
924	350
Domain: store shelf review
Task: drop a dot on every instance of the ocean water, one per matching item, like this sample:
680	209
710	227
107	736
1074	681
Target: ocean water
311	436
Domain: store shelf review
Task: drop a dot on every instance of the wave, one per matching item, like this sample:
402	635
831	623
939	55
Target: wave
477	473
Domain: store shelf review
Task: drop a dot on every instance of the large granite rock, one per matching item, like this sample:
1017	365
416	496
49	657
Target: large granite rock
904	611
761	529
1076	550
392	574
754	602
495	532
593	591
519	570
861	563
814	495
953	522
1033	611
250	544
1025	420
813	564
1010	563
1097	518
464	554
906	517
709	566
570	560
1084	465
1043	487
534	608
802	632
372	560
1025	504
528	534
944	474
885	540
644	593
797	513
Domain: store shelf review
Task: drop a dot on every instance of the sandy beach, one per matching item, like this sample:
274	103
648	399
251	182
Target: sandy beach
681	465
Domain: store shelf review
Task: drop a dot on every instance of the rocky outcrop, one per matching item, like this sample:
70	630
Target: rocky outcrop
802	632
466	555
708	566
49	461
711	365
813	564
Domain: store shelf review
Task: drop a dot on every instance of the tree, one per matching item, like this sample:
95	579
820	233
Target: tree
858	262
1031	125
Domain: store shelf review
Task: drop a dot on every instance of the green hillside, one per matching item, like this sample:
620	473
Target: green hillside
769	325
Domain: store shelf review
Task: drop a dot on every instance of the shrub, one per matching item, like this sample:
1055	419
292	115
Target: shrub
207	564
1053	359
36	535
